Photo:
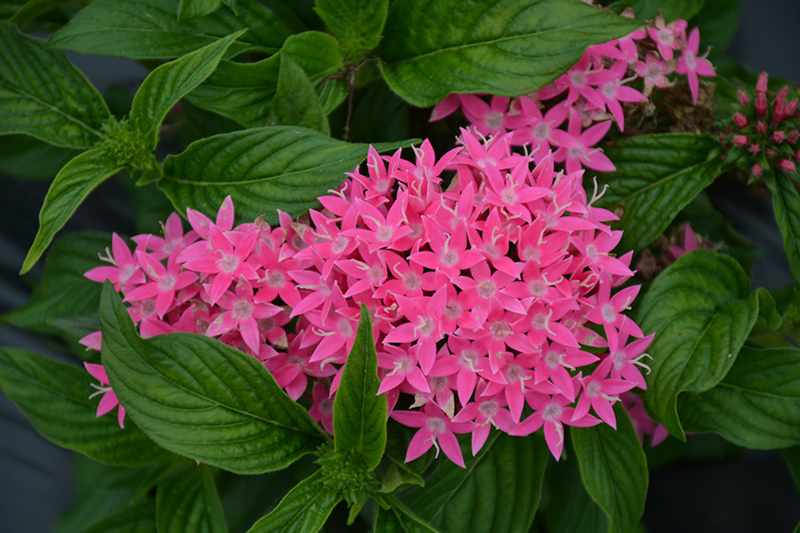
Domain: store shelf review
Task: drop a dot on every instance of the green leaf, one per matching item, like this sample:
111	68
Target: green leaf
649	9
432	48
498	491
357	23
303	510
398	519
202	399
295	102
571	509
28	158
150	29
701	312
197	8
70	187
614	469
380	115
63	292
188	501
55	398
263	170
172	81
397	477
786	203
65	110
139	518
757	405
34	8
318	53
657	176
240	91
359	413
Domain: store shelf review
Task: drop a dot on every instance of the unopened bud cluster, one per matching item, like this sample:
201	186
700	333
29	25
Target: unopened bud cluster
764	136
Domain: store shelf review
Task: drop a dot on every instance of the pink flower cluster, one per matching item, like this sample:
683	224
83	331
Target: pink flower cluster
761	136
491	298
589	96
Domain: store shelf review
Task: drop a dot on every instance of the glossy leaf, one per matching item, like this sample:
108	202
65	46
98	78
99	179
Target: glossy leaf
188	501
202	399
757	405
150	29
649	9
398	519
64	110
359	413
498	491
197	8
614	469
718	22
139	518
656	177
34	8
240	91
263	170
318	53
573	510
432	48
303	510
786	203
295	102
167	84
63	292
55	398
71	186
357	23
701	310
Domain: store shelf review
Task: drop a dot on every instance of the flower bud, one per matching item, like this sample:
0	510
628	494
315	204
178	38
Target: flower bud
740	140
778	137
793	135
743	98
761	127
761	104
786	165
740	120
757	170
761	85
754	148
770	152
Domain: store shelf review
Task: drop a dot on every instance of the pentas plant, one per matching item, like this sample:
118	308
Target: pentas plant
484	297
437	322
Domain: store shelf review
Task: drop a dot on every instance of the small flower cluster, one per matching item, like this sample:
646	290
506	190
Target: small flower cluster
666	251
589	96
761	137
486	296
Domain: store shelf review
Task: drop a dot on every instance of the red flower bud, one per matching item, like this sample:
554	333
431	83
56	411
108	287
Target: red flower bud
761	127
786	165
757	170
740	120
761	85
754	148
743	98
793	135
778	137
740	140
761	104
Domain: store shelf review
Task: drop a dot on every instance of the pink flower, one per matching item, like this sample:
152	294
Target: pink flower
692	65
436	429
108	399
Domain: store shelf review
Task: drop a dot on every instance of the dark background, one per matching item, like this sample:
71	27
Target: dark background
750	493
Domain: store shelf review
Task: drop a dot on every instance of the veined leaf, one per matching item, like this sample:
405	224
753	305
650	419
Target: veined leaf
357	23
188	501
614	469
757	405
263	170
42	94
432	48
63	292
295	102
55	398
701	310
649	9
303	510
398	519
656	177
498	491
172	81
572	510
202	399
197	8
150	29
140	518
786	203
318	53
359	413
71	186
240	91
34	8
29	158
